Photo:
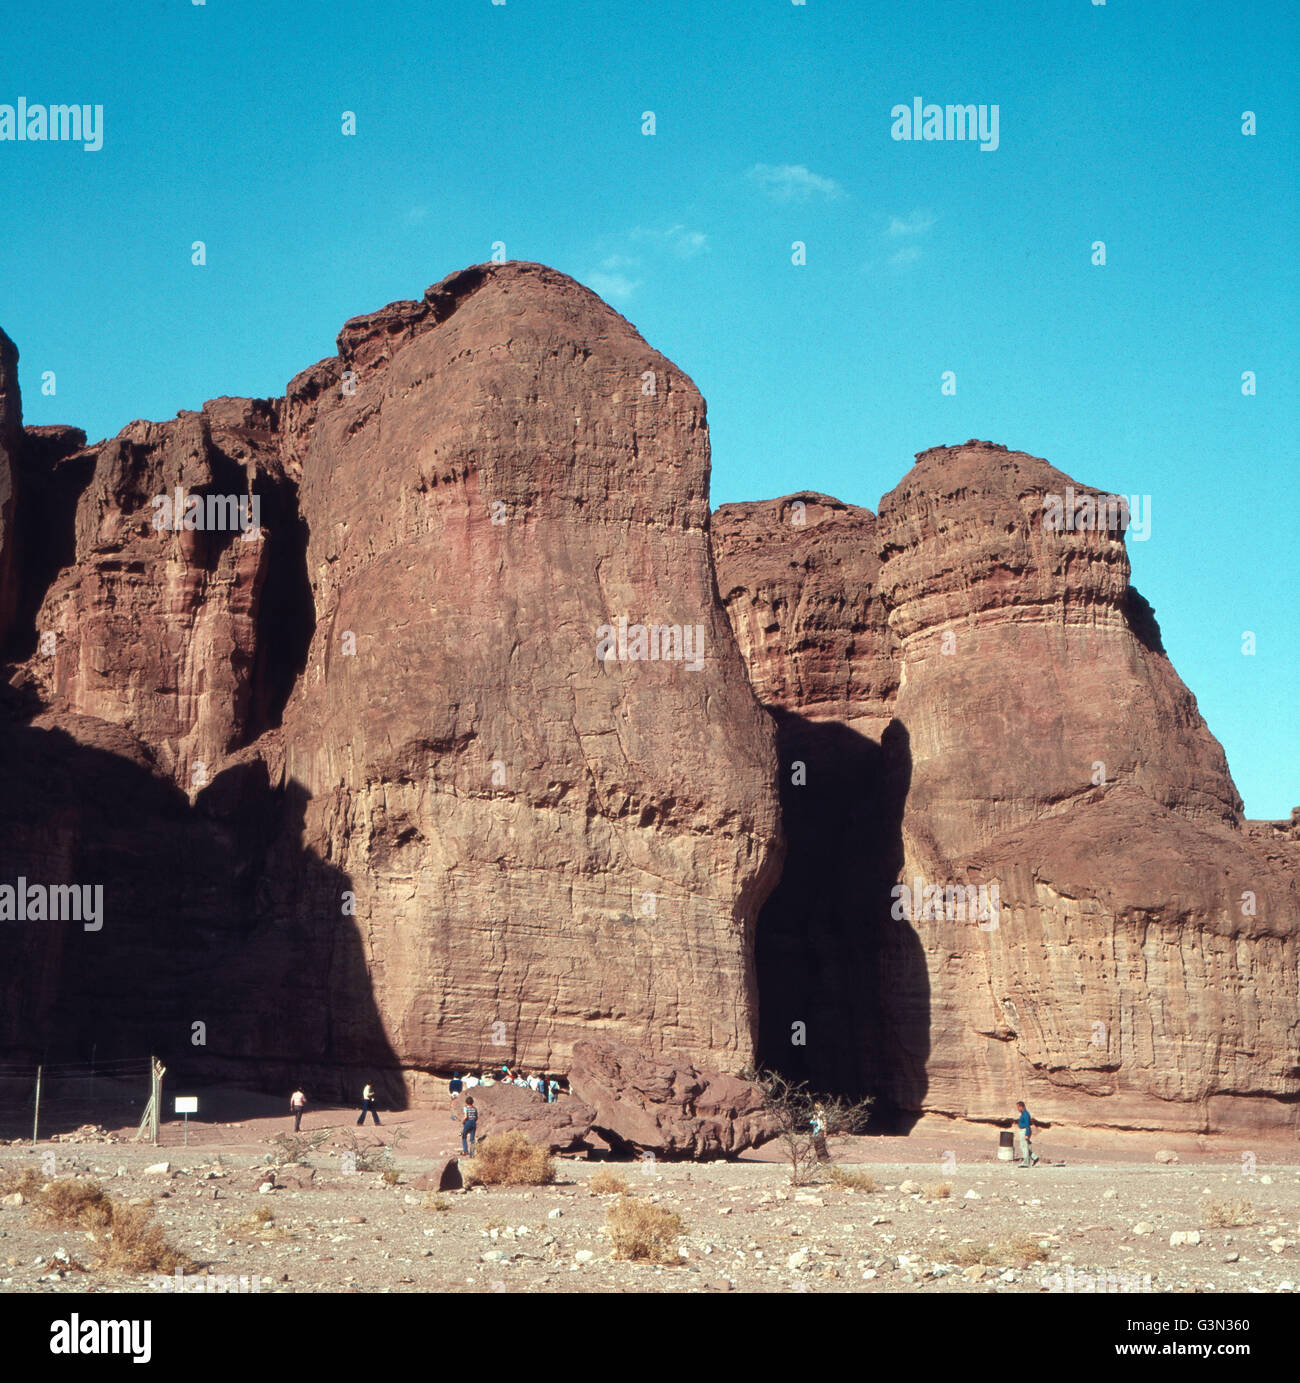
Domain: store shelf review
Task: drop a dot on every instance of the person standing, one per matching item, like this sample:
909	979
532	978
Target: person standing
818	1124
552	1090
1024	1129
368	1104
297	1107
469	1126
454	1086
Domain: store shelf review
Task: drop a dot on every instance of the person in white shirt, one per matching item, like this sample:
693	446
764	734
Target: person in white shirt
368	1105
470	1082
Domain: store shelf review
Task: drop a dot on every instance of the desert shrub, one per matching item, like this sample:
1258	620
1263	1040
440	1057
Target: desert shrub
643	1233
847	1180
373	1159
1019	1252
799	1112
81	1204
260	1224
126	1236
937	1191
27	1182
433	1201
294	1149
134	1244
607	1183
1226	1214
510	1159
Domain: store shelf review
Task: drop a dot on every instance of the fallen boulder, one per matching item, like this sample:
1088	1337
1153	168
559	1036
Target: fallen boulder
564	1126
664	1106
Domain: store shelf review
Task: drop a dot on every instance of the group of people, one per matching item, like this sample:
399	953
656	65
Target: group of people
549	1088
539	1083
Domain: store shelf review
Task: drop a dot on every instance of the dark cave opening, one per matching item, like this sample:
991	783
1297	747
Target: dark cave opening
844	995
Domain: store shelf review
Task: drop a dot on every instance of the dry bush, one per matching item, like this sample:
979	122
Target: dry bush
643	1233
1019	1252
82	1204
127	1239
371	1159
853	1181
433	1201
607	1183
134	1244
937	1191
510	1159
1226	1214
392	1177
260	1223
796	1110
27	1183
295	1149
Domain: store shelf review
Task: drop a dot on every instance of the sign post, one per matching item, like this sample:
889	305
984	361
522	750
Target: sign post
187	1105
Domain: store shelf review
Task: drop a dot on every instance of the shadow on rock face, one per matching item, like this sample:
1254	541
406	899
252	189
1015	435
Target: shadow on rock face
223	947
835	969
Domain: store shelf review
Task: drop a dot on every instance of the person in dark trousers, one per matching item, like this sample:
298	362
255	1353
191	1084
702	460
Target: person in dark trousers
819	1131
454	1086
1024	1129
469	1127
297	1107
368	1104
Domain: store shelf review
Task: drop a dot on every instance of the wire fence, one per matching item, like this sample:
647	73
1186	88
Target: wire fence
46	1100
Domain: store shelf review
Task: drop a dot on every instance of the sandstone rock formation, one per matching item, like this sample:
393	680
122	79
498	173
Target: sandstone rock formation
646	1104
10	442
1140	971
563	1126
362	794
459	757
539	842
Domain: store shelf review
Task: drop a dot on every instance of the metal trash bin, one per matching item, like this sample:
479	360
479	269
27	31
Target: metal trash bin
1007	1145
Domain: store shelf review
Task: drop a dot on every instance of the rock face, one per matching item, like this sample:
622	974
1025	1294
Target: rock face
11	414
411	784
583	841
445	750
1136	965
798	577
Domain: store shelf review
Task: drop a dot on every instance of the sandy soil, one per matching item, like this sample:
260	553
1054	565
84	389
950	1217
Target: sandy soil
1101	1216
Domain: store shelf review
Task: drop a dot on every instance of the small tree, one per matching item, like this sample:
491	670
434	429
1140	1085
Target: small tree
806	1119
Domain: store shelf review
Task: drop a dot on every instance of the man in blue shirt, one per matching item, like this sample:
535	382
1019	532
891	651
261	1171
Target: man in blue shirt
1024	1130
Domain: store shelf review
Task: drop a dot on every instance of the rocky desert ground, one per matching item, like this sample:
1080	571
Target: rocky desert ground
1097	1214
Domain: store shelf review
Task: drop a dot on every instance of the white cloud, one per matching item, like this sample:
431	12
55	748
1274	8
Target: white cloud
616	288
789	182
916	224
909	254
682	242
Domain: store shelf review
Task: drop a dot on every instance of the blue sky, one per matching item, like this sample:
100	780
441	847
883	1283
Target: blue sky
522	122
